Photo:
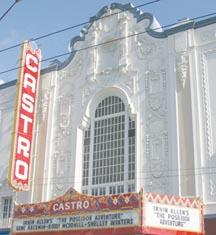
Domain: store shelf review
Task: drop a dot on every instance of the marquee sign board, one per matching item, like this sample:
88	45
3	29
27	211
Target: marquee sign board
173	214
77	211
22	139
172	217
130	213
100	220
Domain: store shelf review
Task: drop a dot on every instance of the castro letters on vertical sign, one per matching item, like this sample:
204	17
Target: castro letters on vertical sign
19	172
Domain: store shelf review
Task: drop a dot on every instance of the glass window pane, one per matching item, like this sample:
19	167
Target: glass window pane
110	127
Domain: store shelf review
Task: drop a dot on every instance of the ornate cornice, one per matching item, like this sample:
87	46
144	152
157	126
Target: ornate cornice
151	30
138	15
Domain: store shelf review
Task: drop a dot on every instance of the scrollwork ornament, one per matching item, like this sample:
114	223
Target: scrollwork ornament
182	69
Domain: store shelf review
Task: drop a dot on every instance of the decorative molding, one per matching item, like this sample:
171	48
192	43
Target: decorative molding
110	77
44	98
155	101
92	54
182	68
61	167
138	16
212	178
145	48
64	116
209	154
205	95
155	86
87	90
62	134
156	131
212	187
123	58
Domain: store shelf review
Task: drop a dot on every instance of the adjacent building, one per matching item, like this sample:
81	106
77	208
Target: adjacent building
132	107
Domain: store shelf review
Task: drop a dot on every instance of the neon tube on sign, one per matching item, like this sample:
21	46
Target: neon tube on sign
22	140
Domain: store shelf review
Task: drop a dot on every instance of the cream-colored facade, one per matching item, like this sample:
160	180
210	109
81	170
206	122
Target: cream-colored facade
165	80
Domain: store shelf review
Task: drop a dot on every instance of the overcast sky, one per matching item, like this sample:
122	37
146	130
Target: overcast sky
32	18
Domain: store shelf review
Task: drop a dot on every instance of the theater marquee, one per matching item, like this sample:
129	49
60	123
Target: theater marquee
22	140
130	213
74	211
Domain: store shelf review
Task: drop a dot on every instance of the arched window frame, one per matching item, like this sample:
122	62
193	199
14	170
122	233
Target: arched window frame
129	182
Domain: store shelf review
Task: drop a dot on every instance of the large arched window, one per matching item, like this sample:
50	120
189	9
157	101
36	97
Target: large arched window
109	150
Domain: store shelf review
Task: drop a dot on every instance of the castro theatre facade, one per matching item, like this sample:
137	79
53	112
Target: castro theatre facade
124	140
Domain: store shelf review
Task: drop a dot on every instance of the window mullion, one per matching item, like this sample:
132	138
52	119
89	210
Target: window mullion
126	152
110	116
91	151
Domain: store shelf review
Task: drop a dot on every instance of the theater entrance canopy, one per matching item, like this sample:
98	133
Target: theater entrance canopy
131	213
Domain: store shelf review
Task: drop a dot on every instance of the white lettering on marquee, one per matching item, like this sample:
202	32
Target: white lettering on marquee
73	205
100	220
